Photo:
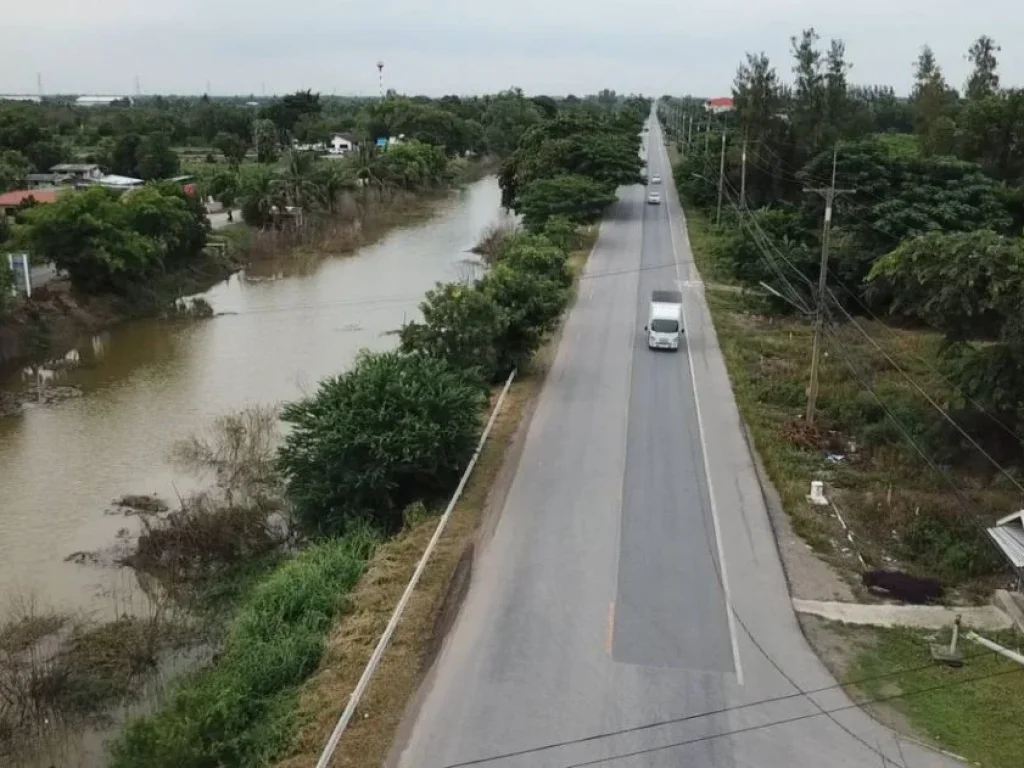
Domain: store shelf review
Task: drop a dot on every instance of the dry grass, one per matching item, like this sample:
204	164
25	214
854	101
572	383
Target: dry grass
370	735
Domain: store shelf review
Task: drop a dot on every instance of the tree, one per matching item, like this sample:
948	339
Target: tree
107	243
964	284
461	325
258	194
14	168
931	96
124	157
837	101
532	305
991	133
808	106
578	198
983	80
266	141
88	235
232	146
156	158
224	189
394	429
285	112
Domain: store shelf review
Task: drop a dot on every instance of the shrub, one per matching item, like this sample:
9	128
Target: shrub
239	711
461	325
533	304
394	429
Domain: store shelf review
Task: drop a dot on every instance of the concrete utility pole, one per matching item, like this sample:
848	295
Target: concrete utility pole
721	182
689	133
743	176
819	316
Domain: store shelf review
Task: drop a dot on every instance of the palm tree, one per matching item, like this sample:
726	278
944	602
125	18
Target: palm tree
296	183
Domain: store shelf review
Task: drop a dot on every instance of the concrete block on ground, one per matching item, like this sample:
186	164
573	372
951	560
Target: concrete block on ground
987	618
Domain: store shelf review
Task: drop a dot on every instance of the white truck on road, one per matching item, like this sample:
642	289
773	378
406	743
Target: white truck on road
665	322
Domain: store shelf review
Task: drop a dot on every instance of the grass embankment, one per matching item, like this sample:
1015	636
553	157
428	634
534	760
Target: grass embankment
955	707
370	735
240	710
899	510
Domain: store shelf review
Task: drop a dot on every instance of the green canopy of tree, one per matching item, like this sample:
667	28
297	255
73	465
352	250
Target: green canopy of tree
109	243
394	429
232	146
580	199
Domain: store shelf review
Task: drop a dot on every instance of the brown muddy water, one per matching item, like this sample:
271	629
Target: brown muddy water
281	327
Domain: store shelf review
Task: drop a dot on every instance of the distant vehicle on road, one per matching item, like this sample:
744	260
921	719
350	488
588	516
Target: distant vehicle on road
655	179
665	320
654	198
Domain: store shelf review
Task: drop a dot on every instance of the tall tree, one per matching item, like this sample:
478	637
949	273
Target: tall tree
931	96
808	92
837	99
984	80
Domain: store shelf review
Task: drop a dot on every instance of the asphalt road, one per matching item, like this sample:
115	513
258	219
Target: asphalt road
630	581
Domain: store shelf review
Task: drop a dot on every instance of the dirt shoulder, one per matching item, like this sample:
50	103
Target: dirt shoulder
434	605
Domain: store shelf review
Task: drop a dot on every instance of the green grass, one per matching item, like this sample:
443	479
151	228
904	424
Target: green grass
969	717
242	709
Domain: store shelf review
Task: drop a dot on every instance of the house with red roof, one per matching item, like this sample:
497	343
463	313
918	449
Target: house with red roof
724	104
11	201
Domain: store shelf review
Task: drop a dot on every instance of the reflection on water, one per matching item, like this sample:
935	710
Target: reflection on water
148	383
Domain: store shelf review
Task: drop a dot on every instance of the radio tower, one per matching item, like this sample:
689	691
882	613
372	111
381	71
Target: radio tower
380	76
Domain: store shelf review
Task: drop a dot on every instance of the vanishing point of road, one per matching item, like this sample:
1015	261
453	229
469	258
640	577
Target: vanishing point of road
633	577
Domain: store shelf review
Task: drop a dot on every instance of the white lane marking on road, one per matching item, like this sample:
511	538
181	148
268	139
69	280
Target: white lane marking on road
729	610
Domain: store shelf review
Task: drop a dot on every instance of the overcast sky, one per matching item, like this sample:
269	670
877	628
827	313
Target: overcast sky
461	46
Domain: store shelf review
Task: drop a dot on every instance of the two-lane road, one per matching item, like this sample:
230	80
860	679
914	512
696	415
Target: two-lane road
602	604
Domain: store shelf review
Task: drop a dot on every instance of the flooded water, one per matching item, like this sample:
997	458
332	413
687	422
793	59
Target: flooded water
146	384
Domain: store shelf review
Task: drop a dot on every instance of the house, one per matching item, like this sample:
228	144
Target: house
113	181
17	97
41	180
100	101
77	171
342	144
719	105
11	201
1008	535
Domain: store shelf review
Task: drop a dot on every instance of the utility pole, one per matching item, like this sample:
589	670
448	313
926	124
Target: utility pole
721	182
819	315
689	133
39	83
380	78
743	175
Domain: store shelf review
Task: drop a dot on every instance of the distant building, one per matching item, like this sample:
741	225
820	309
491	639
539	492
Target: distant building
113	181
342	144
719	105
16	97
101	101
11	201
77	171
41	180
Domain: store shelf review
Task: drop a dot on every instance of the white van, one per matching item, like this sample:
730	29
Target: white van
665	321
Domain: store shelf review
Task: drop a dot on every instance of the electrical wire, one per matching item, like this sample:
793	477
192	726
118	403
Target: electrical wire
942	411
795	719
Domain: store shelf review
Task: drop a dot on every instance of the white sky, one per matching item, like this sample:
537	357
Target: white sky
457	46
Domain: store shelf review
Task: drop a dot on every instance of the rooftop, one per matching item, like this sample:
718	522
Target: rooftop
74	167
18	196
1008	535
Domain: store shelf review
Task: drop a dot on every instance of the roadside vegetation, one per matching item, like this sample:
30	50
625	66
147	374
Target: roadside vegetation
955	709
918	431
295	517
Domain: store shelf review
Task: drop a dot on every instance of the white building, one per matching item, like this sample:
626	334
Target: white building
342	144
99	101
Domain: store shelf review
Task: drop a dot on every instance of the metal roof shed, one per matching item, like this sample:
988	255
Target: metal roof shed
1008	535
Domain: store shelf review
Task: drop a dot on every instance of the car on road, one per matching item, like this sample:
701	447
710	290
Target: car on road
665	321
655	179
654	198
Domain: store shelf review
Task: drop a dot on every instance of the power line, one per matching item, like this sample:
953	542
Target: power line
699	715
863	306
797	718
942	411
